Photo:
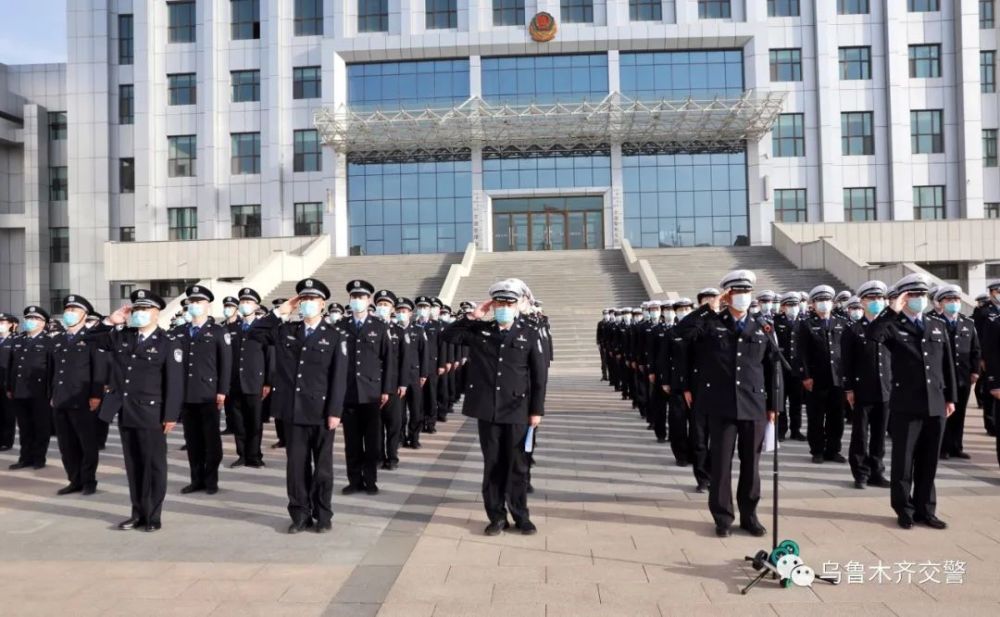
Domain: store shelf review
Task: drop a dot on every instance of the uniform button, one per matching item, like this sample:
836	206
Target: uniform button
126	381
737	382
241	368
739	353
498	374
498	387
358	374
299	375
60	383
738	368
928	381
126	394
298	389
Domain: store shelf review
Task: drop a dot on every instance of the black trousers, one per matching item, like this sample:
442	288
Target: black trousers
145	453
204	443
414	408
430	400
825	410
76	433
392	428
954	428
505	470
444	394
103	428
362	443
656	410
309	473
8	420
867	449
247	425
746	437
791	417
34	420
680	441
916	442
604	364
986	401
699	446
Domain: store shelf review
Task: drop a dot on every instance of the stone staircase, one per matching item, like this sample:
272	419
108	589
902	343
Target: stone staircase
687	270
404	275
574	287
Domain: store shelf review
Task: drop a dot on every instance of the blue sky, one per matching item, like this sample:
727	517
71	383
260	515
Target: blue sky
32	31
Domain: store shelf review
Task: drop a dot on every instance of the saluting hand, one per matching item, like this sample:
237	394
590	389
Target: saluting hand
688	398
850	398
265	392
120	316
897	304
290	305
481	309
401	392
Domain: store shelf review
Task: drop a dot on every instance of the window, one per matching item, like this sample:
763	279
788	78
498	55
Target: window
520	80
441	14
786	65
126	175
645	10
789	135
948	273
182	21
308	156
408	85
577	11
987	71
246	86
246	221
928	202
125	291
790	205
59	245
855	62
182	223
245	153
852	7
857	135
58	183
57	125
989	147
182	152
309	219
308	17
541	169
245	19
56	297
927	131
373	15
992	211
126	234
182	89
859	204
925	61
126	94
986	14
714	9
677	75
125	42
508	12
306	82
782	8
923	6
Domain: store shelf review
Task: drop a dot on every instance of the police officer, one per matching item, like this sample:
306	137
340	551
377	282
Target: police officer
308	386
230	316
208	362
980	315
103	370
736	391
371	379
449	355
506	394
867	388
819	347
77	386
8	422
965	347
265	408
414	372
657	369
250	382
145	391
678	413
786	326
392	413
600	339
28	388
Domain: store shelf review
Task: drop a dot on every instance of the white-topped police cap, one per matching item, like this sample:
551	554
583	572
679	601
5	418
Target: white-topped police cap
790	297
915	282
360	286
821	292
739	279
505	290
983	297
78	301
249	294
766	296
199	292
145	299
683	303
872	288
625	310
854	301
932	292
637	310
947	291
312	287
994	284
843	295
667	304
708	291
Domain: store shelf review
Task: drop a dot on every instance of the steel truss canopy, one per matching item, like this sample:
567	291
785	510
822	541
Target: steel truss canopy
719	125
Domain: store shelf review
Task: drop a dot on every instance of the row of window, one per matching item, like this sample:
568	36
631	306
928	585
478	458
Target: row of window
791	8
182	223
790	205
182	153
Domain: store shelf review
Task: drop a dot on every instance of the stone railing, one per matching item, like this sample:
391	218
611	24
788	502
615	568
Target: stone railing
456	273
646	274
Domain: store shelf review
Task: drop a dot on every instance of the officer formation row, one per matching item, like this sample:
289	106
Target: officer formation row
386	368
710	374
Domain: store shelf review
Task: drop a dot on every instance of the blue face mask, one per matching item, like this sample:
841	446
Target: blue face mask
308	309
952	308
505	314
875	306
229	311
359	305
402	318
385	312
139	319
247	309
918	304
28	325
70	319
196	310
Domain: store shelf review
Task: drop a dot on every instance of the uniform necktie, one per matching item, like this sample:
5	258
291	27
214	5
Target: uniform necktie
357	325
919	323
194	331
309	332
739	326
246	327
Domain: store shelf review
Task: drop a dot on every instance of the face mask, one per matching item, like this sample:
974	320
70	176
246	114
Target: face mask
187	317
856	314
247	309
435	313
385	312
505	314
359	305
627	318
196	310
682	314
766	308
824	306
654	315
308	308
179	321
402	318
30	325
336	316
139	319
668	316
875	306
803	307
70	319
995	298
952	308
4	329
754	310
740	302
792	312
229	311
424	312
917	305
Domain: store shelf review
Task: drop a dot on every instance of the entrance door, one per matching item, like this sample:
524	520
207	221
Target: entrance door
548	224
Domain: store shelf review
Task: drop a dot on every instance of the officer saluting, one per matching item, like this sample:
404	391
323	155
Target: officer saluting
737	358
506	394
28	388
923	395
310	363
145	390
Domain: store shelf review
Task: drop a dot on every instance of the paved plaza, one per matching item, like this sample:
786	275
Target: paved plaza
621	533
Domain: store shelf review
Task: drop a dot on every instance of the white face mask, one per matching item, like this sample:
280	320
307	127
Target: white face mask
856	314
792	312
823	307
655	315
668	316
4	328
682	314
740	301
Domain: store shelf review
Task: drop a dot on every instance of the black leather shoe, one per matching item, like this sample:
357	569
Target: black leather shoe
723	531
88	490
211	490
701	488
798	436
962	455
5	448
878	481
754	528
442	418
371	489
132	523
861	484
818	459
904	521
430	430
237	463
530	489
527	528
416	445
18	465
67	490
835	458
661	440
151	527
385	464
326	527
299	527
192	488
278	444
931	521
494	528
393	465
350	489
38	466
